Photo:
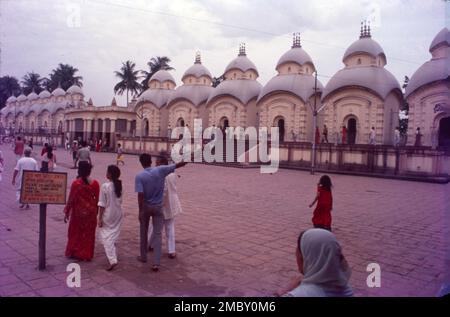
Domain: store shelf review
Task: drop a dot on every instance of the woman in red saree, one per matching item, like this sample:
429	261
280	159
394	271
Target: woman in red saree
81	209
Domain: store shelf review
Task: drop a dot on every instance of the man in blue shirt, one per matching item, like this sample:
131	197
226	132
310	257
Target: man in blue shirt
149	184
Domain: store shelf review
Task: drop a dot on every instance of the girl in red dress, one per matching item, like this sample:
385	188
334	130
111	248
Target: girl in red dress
81	209
322	213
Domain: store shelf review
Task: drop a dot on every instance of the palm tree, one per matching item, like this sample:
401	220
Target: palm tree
128	79
9	86
64	76
32	82
155	64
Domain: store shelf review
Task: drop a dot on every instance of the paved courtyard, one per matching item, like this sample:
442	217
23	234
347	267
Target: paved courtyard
237	235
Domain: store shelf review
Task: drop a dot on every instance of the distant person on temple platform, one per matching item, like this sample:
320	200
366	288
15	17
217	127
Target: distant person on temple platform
322	213
294	136
372	136
325	134
344	134
397	137
317	135
418	141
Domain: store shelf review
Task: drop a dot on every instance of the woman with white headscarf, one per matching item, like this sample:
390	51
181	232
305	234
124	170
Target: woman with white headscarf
324	268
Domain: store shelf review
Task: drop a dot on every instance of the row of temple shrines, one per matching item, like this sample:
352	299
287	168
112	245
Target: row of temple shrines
362	95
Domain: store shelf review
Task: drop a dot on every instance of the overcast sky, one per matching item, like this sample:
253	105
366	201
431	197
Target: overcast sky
96	36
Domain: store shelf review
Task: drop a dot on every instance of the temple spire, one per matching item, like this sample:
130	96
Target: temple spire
242	49
198	58
365	30
296	40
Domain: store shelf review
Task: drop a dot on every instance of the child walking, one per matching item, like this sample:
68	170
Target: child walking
110	213
322	213
120	155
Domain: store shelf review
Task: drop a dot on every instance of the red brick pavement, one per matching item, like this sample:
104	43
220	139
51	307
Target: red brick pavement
237	235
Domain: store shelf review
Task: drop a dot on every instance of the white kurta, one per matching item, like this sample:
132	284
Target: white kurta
171	202
112	219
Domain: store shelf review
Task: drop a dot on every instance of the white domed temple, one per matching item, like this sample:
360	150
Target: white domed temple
362	95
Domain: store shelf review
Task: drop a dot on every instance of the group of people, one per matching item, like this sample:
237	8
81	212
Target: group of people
25	161
90	205
324	271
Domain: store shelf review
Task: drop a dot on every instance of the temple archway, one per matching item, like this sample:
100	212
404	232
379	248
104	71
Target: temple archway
444	132
280	123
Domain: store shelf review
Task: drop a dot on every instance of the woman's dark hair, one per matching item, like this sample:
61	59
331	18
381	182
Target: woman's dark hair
325	182
114	173
49	152
84	170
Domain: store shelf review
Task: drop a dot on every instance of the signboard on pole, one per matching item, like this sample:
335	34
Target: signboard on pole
43	188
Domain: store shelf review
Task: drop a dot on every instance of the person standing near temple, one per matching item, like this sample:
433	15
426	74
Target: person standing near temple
120	155
49	160
1	165
81	212
317	135
84	154
397	137
325	134
149	185
418	141
19	147
26	163
67	144
344	134
171	208
372	136
110	213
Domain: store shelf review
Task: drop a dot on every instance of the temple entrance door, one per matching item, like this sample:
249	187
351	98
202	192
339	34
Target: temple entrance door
224	123
180	122
351	131
444	132
279	122
146	127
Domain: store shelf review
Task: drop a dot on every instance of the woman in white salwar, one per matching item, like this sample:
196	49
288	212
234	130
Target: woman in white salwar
110	213
171	208
325	271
